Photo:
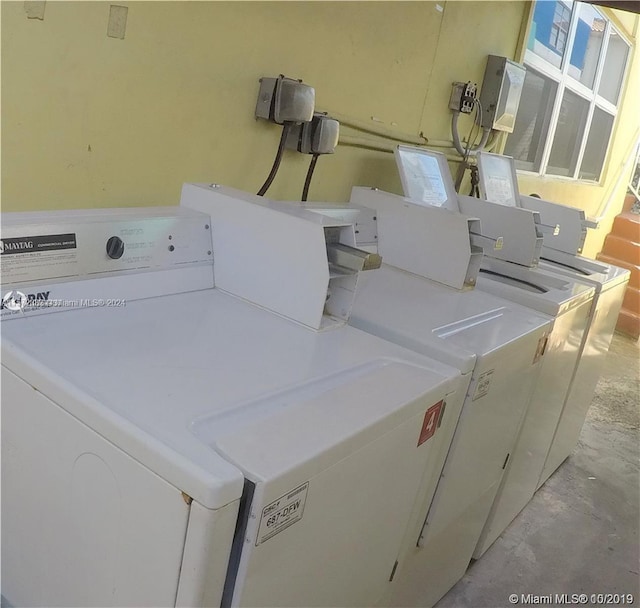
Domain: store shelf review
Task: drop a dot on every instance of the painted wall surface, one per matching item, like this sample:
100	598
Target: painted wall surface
93	121
90	121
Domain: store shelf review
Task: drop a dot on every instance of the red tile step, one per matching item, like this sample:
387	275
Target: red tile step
627	226
619	248
628	323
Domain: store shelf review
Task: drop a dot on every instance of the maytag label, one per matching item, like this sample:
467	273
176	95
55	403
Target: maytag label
32	244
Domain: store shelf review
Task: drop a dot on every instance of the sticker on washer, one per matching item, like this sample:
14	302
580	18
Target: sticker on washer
483	385
282	513
430	422
540	350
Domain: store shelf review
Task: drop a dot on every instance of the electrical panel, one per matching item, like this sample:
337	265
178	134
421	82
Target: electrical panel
463	96
500	93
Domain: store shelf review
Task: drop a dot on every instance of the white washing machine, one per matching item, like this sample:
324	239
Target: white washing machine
561	255
610	283
173	440
509	273
496	343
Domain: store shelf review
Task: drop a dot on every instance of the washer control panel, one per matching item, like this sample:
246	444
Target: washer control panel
81	244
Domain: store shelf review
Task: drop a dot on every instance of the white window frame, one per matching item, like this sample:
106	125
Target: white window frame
564	80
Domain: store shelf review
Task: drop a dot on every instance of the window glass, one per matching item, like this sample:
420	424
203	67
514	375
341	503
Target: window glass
574	52
596	148
613	71
550	29
532	121
587	43
568	136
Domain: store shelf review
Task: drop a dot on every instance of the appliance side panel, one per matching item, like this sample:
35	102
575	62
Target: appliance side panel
337	549
83	523
586	377
528	456
406	558
491	417
206	555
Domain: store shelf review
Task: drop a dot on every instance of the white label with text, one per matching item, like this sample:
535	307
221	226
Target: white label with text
483	385
282	513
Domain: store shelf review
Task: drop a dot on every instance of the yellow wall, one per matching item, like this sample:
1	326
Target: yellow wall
174	100
91	121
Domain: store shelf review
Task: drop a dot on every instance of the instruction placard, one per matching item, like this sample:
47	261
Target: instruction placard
282	513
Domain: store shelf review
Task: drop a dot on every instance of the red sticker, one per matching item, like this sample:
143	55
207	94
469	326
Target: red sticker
430	423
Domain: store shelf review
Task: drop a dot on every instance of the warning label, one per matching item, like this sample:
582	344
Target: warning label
282	513
31	244
483	385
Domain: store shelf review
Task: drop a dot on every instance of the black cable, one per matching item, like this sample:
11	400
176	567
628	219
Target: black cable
276	162
307	181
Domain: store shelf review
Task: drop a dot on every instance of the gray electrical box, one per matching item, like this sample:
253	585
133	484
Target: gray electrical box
320	136
500	93
284	99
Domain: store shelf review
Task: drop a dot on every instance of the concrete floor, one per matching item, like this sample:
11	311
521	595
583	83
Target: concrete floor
579	534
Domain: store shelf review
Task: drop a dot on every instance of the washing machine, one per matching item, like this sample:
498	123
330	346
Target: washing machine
561	254
188	420
422	298
511	272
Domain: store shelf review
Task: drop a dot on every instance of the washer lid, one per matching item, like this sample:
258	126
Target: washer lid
601	275
454	326
155	376
548	292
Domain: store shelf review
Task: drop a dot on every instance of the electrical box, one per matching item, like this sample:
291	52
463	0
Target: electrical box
463	97
500	93
284	99
320	136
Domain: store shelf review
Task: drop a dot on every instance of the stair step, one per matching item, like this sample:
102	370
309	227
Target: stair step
629	200
631	300
621	249
629	323
627	226
634	281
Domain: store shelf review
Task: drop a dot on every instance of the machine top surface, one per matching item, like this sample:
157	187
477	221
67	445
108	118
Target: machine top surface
166	377
543	290
458	325
601	275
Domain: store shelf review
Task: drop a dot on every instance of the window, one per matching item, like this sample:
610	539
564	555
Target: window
576	62
560	27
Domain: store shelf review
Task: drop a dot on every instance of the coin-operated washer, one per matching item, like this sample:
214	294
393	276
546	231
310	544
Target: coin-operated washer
561	254
188	421
511	273
422	299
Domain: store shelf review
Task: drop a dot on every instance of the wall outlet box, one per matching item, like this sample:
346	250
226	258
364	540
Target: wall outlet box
284	99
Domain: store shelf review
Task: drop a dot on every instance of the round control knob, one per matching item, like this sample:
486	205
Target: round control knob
115	248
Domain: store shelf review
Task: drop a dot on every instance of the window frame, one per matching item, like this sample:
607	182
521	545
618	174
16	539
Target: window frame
563	81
